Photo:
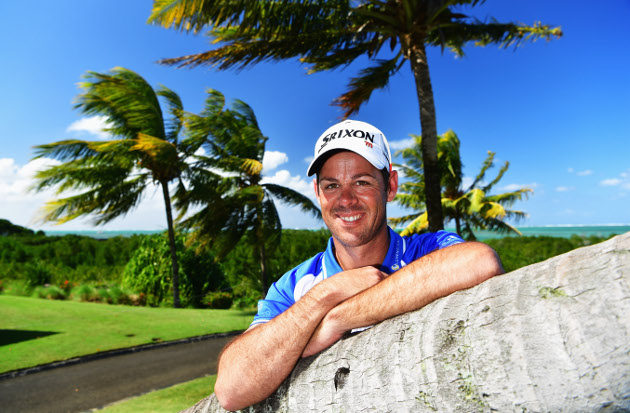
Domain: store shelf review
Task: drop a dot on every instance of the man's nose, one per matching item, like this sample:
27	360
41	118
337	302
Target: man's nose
347	196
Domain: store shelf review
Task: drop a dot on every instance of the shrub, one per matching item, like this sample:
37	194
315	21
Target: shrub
149	272
83	293
17	287
52	292
118	296
36	273
218	300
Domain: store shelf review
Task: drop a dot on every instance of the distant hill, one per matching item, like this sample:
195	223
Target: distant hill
7	228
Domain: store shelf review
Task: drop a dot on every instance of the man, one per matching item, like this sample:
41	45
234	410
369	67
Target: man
367	274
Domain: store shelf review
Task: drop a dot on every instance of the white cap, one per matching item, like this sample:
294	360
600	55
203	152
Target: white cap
356	136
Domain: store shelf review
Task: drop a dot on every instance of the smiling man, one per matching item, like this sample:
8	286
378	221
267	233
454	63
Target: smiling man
368	273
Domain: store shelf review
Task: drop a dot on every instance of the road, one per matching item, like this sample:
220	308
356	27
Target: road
96	383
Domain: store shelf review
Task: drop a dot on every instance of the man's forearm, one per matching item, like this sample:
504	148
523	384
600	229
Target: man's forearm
433	276
255	364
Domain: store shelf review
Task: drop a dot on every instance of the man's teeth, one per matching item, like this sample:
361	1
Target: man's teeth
351	219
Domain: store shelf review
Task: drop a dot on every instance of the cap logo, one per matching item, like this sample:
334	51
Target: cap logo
347	133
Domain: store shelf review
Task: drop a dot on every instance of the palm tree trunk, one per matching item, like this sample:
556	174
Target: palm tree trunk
458	226
260	243
419	65
263	268
171	240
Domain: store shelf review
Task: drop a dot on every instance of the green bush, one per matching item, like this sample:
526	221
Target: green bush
218	300
51	292
83	292
17	287
149	272
37	273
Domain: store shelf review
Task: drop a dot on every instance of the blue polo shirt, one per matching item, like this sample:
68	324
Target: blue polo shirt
298	281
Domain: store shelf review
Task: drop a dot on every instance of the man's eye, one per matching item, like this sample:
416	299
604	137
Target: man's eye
362	183
331	186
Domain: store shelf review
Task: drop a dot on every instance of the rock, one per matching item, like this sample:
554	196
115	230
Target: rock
553	336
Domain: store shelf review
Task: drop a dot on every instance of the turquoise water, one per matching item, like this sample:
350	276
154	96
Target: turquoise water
104	234
561	231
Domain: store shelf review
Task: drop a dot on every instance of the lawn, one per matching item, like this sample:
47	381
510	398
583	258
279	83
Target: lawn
36	331
171	399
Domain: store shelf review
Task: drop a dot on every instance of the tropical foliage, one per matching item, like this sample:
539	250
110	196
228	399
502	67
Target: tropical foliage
470	207
328	34
148	271
227	198
112	175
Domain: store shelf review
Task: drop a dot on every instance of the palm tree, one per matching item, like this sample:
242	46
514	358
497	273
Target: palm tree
329	34
470	207
227	197
111	175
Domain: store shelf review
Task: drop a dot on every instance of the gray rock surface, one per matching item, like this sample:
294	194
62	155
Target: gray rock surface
553	336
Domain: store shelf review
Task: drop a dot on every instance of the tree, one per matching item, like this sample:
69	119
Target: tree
227	197
469	207
111	175
329	34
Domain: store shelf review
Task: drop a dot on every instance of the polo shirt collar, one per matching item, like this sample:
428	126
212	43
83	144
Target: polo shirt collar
392	262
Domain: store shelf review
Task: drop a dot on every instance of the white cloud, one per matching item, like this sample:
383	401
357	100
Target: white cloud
622	181
584	173
610	182
93	125
308	159
515	187
564	188
570	170
273	159
400	144
22	207
284	178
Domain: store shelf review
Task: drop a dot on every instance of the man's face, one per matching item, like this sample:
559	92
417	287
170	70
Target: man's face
353	198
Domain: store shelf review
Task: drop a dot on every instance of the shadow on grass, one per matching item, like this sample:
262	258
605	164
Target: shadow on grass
15	336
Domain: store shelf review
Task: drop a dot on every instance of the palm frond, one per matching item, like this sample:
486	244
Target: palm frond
417	226
176	111
361	87
487	164
291	197
126	99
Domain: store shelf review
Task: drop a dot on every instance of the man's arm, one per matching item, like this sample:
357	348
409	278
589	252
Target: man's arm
435	275
255	364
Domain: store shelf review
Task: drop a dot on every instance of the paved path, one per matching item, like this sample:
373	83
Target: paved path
96	383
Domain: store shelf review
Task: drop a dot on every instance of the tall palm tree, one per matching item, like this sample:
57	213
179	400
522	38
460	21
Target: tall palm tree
329	34
111	175
227	197
469	207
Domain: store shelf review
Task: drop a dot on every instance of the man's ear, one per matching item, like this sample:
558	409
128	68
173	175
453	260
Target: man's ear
393	185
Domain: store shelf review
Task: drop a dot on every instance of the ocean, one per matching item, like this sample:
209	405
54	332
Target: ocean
551	231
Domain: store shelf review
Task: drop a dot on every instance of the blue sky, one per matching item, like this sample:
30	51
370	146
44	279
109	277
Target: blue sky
557	111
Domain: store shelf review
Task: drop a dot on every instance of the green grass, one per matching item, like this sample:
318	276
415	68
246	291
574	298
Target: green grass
35	331
171	399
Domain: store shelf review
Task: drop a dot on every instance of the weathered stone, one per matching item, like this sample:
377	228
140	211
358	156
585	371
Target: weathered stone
553	336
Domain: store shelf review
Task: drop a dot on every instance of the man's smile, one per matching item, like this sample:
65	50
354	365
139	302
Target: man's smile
350	218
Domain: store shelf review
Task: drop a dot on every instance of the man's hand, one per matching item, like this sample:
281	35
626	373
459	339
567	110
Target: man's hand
349	283
326	334
433	276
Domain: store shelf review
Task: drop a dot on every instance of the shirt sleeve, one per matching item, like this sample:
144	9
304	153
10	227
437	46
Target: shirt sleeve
278	299
423	244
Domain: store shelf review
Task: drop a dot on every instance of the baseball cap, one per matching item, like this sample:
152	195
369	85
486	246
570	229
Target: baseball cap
356	136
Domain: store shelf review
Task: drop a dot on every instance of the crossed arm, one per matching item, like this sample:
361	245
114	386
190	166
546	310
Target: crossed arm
255	364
